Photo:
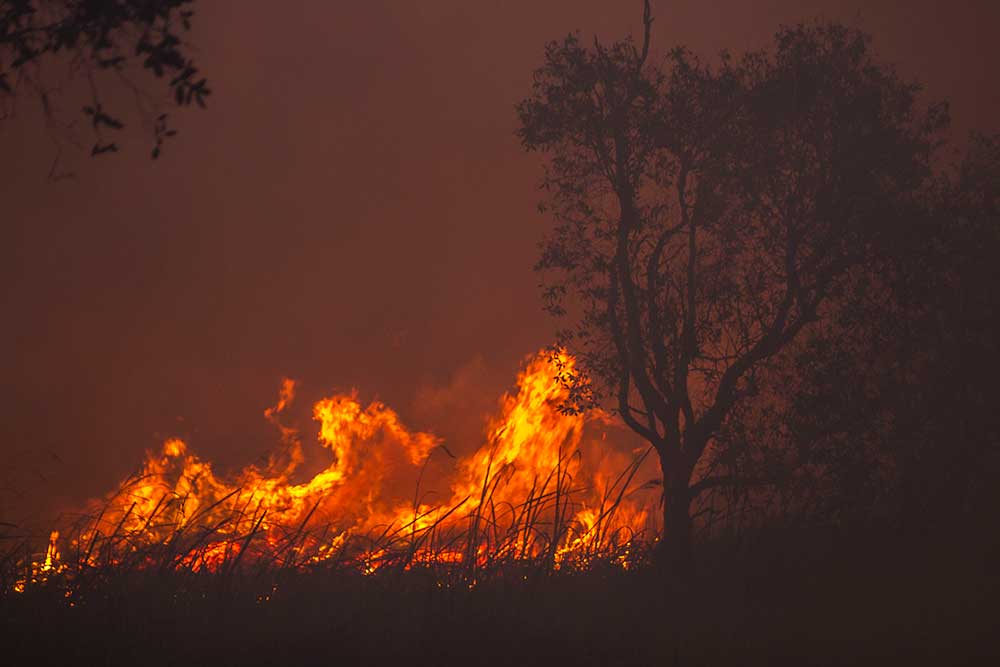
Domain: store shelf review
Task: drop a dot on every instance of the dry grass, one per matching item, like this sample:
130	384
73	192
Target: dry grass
461	545
217	588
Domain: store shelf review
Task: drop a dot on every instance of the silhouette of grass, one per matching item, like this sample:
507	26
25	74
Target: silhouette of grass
800	599
779	595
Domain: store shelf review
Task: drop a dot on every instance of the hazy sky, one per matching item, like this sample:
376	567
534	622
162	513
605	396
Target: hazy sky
353	210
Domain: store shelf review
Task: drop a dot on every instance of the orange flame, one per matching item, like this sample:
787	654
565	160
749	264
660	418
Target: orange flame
540	487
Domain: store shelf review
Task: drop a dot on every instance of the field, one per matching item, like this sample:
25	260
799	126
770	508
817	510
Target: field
792	597
541	551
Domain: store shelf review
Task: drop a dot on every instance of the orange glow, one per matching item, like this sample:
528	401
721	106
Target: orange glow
544	486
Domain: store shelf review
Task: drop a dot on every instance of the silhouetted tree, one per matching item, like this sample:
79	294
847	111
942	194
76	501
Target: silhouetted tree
94	36
705	216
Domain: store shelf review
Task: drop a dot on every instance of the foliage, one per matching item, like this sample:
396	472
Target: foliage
93	37
705	216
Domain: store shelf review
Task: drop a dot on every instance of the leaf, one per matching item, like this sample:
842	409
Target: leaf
105	119
98	149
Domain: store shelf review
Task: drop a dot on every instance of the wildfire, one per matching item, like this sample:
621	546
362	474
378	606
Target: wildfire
543	486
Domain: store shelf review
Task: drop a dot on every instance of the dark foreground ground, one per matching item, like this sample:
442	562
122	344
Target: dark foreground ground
887	600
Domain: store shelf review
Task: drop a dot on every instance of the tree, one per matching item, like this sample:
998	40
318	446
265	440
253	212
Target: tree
94	37
705	216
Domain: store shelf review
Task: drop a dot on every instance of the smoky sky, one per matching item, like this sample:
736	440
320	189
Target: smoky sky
353	211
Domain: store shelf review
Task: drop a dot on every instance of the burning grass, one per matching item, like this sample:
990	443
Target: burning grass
545	490
537	552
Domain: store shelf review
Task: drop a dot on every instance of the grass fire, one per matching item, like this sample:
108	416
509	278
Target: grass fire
539	489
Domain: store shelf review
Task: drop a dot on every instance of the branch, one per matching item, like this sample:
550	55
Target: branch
647	23
688	348
625	410
655	313
631	343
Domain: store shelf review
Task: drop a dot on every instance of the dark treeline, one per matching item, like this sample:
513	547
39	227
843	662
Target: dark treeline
889	405
898	391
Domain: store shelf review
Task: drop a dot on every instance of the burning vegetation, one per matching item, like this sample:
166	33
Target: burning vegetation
543	488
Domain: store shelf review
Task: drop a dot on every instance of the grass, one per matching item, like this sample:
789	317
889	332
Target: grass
148	526
818	597
483	583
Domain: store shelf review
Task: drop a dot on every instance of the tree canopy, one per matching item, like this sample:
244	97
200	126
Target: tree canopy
705	215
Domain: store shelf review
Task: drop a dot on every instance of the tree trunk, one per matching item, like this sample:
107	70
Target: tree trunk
673	553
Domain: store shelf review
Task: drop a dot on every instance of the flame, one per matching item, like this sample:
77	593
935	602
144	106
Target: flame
42	570
541	487
286	458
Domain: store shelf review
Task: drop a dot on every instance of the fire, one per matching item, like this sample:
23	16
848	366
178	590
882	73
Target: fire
42	570
542	487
